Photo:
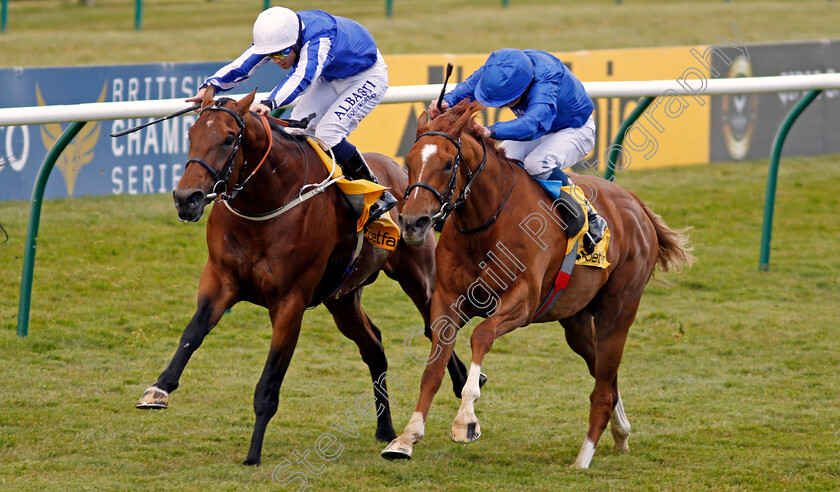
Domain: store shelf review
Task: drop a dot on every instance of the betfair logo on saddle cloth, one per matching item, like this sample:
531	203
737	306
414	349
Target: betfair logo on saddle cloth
383	232
598	258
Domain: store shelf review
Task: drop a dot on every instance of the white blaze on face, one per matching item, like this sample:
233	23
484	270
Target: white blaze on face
425	154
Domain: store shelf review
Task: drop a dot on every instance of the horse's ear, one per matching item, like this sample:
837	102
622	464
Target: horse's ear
465	118
422	121
209	94
244	104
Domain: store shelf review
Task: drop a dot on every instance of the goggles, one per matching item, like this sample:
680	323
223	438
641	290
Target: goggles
281	54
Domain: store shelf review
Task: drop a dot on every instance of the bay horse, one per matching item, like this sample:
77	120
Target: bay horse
265	250
494	262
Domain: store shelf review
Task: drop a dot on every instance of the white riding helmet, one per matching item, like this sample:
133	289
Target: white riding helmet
275	30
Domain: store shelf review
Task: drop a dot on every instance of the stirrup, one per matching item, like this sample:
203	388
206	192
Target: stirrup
385	202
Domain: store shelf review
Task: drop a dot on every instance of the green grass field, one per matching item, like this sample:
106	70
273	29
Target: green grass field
729	376
63	32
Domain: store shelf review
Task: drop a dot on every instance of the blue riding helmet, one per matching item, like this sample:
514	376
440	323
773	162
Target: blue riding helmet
505	76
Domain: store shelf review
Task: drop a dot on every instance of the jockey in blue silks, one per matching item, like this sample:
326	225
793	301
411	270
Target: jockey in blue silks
335	69
553	128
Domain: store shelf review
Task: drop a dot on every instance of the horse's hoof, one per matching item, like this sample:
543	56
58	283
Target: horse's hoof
482	378
622	447
397	451
251	462
153	398
465	433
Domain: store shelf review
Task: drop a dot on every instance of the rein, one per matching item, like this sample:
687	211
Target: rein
223	174
446	207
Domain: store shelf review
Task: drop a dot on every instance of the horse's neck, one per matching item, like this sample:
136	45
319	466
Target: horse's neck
290	165
489	189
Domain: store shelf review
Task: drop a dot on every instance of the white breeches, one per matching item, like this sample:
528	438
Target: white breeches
559	149
340	105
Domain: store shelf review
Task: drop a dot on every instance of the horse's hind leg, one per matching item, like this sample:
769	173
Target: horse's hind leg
580	335
355	325
612	324
213	300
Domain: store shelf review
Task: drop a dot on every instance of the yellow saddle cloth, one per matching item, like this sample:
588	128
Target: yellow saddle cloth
383	232
598	258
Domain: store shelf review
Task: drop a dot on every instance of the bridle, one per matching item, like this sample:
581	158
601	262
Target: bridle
219	192
445	198
221	176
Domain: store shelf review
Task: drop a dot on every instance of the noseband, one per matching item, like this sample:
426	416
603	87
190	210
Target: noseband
445	206
221	176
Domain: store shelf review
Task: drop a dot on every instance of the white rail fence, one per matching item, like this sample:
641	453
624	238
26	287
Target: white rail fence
692	83
695	86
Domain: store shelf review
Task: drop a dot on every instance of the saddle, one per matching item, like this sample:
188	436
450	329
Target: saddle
572	210
571	202
361	194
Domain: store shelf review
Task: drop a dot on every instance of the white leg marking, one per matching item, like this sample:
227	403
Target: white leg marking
416	427
403	445
465	428
469	395
620	427
585	455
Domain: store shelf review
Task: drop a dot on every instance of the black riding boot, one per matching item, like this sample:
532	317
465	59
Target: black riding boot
597	227
357	168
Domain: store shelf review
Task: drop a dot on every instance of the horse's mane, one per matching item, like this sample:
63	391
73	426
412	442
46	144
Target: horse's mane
275	127
447	120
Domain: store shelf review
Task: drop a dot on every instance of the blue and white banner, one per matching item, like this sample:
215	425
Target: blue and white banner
147	161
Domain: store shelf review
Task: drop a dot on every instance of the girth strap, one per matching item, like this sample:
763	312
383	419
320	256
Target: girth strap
560	282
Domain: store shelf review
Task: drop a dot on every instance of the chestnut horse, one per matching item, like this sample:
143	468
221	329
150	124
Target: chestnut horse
493	262
265	250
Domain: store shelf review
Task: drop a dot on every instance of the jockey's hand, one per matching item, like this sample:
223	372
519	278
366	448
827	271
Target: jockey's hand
261	109
480	129
202	92
433	109
198	97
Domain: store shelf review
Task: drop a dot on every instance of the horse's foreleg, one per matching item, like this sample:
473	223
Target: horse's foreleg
612	323
357	326
213	300
285	320
466	428
619	425
444	332
414	269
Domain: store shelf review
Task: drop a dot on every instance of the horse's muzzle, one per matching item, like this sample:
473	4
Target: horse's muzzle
414	229
189	204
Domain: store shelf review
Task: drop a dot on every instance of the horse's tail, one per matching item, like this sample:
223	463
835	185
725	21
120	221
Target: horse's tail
674	245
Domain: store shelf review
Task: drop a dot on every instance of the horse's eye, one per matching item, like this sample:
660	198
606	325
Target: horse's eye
448	165
229	140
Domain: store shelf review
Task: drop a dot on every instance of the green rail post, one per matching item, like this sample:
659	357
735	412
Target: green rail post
4	15
138	15
773	174
389	8
34	221
615	148
266	4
